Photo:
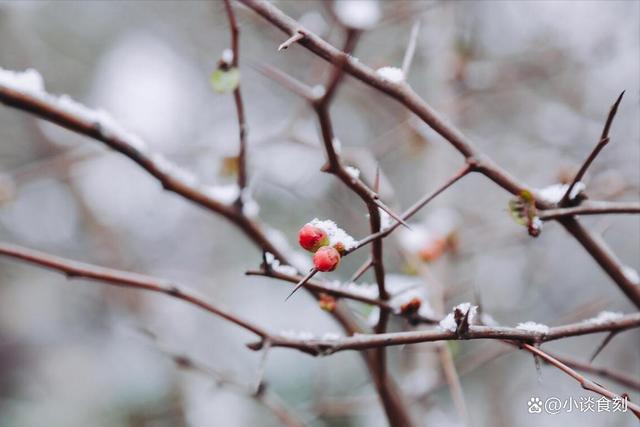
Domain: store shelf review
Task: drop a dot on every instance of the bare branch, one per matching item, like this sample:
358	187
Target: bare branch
411	48
604	140
591	208
75	269
237	96
481	162
584	382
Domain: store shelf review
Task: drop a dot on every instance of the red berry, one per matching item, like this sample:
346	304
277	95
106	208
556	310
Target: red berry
326	259
312	238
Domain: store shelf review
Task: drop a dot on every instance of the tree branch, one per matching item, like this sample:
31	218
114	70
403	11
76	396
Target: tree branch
604	140
237	96
591	208
403	93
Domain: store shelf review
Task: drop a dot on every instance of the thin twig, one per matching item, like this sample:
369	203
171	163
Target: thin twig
76	269
591	208
586	383
403	93
237	97
411	49
604	140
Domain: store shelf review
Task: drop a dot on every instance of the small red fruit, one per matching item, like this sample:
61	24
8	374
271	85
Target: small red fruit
326	259
312	238
327	302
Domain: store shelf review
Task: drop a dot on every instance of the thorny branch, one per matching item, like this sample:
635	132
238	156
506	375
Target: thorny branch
372	345
319	346
480	161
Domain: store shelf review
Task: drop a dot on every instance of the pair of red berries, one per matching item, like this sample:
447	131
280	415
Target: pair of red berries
315	239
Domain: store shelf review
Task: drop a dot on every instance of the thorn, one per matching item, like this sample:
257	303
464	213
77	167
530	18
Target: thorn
291	40
302	282
392	214
602	345
376	181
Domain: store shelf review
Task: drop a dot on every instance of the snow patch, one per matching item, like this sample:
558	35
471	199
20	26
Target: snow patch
555	192
533	327
449	322
335	233
226	194
358	14
297	335
605	317
30	83
631	274
275	265
353	172
393	74
227	56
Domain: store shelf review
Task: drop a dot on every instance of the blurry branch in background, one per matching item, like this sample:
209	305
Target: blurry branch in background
411	49
319	346
75	269
173	178
262	395
480	162
237	97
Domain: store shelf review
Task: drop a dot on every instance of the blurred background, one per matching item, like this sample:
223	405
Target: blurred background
529	82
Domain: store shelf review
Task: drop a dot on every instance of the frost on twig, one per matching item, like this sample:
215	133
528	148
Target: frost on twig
30	83
274	264
460	318
336	234
392	74
605	317
533	327
554	193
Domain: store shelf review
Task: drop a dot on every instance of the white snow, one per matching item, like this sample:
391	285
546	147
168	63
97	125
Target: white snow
537	223
223	193
337	145
358	14
169	168
250	208
227	56
331	336
335	233
631	274
276	266
406	296
318	91
30	83
298	335
385	219
605	317
555	192
533	327
353	172
393	74
449	322
374	316
364	289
